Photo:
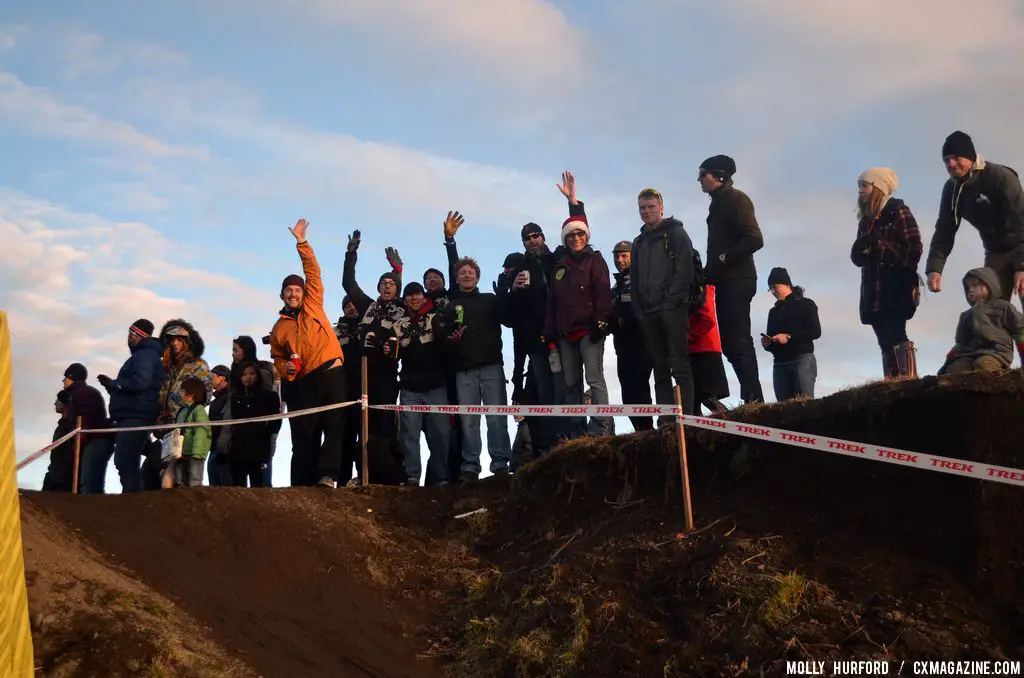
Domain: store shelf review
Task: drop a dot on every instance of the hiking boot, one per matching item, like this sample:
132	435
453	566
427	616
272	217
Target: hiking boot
501	471
467	477
327	481
412	482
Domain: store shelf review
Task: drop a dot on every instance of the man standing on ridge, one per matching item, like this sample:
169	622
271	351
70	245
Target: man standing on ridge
733	237
305	349
990	198
661	278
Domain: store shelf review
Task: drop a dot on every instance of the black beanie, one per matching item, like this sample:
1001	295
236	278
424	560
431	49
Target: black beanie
960	145
390	275
64	396
76	372
515	260
779	276
432	270
413	288
142	328
530	229
722	166
293	279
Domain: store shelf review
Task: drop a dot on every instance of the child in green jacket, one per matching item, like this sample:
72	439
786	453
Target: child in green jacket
196	440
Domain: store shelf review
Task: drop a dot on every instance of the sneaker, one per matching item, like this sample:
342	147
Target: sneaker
502	471
355	482
467	476
413	482
327	481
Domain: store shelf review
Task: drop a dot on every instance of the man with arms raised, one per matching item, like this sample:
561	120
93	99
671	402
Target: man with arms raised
306	350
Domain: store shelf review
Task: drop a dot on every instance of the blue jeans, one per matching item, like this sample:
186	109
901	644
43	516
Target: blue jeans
128	450
434	426
585	358
92	469
483	385
795	377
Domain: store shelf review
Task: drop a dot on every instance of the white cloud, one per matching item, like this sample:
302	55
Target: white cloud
36	111
524	44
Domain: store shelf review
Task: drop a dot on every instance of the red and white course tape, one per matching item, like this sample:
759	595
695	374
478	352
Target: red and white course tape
849	448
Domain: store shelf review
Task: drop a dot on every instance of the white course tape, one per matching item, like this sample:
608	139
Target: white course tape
56	443
888	455
192	424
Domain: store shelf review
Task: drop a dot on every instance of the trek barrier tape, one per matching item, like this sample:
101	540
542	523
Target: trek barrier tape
889	455
849	448
16	654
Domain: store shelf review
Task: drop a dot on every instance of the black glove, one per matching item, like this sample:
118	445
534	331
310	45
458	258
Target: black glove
353	241
105	381
865	242
599	330
517	394
504	283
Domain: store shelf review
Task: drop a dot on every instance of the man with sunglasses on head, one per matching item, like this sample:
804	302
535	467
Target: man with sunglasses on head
733	237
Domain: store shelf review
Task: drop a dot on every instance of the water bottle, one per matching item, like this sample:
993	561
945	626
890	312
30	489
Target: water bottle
554	359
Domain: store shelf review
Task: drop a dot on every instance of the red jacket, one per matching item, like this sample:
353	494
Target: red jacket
704	336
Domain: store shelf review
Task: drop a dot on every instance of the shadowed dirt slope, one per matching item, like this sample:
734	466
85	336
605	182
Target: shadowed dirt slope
576	568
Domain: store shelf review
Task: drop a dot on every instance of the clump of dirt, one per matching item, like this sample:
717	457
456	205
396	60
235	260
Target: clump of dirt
88	619
576	567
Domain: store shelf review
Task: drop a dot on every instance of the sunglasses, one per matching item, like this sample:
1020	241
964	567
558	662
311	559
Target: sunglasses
532	236
576	235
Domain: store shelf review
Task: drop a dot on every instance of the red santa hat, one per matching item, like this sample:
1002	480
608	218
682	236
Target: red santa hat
577	222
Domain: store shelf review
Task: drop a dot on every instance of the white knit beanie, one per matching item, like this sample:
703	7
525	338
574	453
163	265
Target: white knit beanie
575	223
882	178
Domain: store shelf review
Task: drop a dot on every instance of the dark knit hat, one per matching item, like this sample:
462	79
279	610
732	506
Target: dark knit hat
76	372
432	270
64	396
722	166
515	260
413	288
959	145
142	328
622	246
346	300
531	229
779	276
390	275
222	370
293	279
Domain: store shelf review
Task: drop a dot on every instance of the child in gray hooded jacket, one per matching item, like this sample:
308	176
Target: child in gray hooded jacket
988	331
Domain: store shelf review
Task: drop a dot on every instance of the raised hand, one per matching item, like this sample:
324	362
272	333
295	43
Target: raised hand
353	241
299	230
393	258
452	224
568	187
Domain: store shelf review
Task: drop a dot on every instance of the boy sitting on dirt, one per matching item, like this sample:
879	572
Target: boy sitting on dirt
987	332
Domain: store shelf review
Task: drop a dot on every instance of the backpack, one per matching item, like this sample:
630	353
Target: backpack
698	286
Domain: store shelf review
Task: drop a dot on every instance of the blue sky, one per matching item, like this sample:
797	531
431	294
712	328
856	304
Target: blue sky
157	156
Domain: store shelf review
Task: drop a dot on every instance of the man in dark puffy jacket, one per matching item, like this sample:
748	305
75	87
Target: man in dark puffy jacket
633	363
733	237
347	331
661	276
135	401
989	197
86	402
218	464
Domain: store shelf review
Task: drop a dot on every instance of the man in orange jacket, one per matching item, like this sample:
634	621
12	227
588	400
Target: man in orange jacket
306	351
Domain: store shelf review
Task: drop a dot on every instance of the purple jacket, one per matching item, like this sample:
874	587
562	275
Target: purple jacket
579	295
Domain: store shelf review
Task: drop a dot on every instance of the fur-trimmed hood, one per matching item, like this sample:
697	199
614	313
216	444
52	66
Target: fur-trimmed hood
196	344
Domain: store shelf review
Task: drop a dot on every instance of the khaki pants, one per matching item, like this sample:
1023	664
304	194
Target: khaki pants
1005	266
983	363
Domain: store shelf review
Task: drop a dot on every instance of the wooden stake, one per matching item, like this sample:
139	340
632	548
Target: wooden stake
78	455
683	466
366	422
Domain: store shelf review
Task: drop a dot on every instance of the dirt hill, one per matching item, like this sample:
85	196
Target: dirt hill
575	568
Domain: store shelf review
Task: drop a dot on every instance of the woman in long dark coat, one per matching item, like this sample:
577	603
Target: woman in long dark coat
887	251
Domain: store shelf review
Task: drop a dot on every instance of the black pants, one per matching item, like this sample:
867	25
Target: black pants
667	338
311	458
733	299
634	367
252	471
383	390
890	330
